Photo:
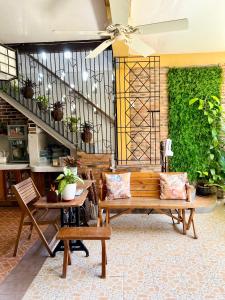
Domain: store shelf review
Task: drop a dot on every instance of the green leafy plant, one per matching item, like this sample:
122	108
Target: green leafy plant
72	123
67	177
213	173
10	87
42	102
188	127
72	161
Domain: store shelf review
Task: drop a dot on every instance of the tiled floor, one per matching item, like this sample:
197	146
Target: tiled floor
147	259
9	222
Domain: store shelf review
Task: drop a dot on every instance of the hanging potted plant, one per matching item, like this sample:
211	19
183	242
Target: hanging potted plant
86	134
57	112
42	102
67	184
28	89
72	123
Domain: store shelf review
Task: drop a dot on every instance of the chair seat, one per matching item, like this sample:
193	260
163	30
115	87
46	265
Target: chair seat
84	233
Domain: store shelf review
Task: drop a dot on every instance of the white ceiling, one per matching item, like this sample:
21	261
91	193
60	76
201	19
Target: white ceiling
33	21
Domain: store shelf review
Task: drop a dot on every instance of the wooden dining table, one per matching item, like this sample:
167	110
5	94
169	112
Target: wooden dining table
69	215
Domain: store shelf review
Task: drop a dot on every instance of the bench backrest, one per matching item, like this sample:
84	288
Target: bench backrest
142	184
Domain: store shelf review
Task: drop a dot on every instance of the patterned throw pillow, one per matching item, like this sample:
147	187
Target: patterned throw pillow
118	186
173	186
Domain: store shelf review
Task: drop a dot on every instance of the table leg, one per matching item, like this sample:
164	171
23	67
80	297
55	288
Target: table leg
78	245
103	259
184	222
62	217
74	245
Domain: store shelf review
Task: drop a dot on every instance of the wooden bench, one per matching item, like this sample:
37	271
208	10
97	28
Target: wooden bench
67	234
145	194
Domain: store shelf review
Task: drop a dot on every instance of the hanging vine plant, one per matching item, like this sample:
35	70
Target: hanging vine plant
213	172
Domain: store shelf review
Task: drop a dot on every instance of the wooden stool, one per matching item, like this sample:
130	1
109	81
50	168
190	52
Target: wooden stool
67	234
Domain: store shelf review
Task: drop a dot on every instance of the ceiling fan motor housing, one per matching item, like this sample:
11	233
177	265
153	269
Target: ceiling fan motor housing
119	29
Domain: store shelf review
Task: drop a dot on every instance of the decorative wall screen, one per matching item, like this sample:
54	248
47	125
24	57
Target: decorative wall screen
138	110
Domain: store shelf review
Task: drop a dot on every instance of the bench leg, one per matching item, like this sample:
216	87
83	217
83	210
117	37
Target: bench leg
103	259
179	216
193	226
100	219
107	217
190	218
172	216
65	258
184	222
191	222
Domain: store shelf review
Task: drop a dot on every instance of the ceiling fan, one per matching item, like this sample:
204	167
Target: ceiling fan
122	29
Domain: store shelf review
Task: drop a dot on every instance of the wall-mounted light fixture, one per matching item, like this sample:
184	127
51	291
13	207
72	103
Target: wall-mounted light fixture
7	63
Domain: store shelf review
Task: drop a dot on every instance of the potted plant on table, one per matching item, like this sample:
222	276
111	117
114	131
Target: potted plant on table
72	163
67	184
42	102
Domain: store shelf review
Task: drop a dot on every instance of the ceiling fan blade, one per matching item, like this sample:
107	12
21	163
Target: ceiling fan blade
120	11
100	48
140	47
85	32
173	25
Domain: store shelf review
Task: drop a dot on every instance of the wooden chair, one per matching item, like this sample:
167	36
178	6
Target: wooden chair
26	194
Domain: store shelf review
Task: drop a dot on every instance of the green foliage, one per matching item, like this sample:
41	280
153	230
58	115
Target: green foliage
189	128
67	177
43	100
214	172
72	123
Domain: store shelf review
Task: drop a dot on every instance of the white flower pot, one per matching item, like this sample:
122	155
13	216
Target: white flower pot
69	192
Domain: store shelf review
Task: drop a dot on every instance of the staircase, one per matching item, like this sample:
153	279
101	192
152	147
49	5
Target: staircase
88	99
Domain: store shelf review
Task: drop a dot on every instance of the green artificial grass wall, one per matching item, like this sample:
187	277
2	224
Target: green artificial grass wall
188	127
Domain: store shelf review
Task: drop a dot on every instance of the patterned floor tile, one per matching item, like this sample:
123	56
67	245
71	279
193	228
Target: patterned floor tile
9	223
147	259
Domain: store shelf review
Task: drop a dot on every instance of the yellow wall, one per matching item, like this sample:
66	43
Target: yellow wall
166	60
178	60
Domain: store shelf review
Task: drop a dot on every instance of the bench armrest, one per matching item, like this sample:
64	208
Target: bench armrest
191	192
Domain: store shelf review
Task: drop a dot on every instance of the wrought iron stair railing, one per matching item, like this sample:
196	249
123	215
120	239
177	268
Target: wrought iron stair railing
56	80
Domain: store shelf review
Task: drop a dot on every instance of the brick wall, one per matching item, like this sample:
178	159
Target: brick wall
9	115
145	144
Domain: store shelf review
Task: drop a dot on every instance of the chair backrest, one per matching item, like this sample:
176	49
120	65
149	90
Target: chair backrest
88	174
142	184
25	192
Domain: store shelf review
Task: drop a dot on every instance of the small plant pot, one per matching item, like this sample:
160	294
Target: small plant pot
41	106
52	197
202	190
27	92
220	193
69	192
86	136
57	114
73	127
